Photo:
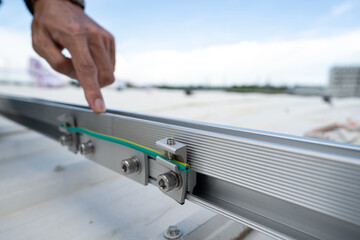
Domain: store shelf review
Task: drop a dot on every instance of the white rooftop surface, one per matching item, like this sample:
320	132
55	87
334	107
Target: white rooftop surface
47	192
281	113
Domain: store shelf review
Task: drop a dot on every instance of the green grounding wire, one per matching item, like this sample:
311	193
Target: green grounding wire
151	152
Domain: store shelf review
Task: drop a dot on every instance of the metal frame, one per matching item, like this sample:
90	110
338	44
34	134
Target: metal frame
282	185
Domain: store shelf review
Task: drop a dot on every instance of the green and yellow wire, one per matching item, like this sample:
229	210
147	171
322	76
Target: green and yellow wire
151	152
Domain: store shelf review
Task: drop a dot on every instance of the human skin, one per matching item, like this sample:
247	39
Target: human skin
60	24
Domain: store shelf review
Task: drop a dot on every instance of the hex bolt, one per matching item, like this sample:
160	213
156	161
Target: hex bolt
129	166
173	232
168	181
66	140
87	148
170	141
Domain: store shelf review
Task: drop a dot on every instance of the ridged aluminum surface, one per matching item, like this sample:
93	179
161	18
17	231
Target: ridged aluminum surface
314	179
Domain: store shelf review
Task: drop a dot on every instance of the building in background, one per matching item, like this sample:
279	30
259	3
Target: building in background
344	82
307	90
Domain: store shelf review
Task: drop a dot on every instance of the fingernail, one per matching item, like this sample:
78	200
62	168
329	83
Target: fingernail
99	106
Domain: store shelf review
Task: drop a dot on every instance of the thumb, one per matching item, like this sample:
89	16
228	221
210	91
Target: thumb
48	49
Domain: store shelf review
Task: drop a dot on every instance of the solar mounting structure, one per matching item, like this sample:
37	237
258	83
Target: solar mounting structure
281	185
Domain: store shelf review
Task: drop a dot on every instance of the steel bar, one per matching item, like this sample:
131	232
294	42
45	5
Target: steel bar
283	185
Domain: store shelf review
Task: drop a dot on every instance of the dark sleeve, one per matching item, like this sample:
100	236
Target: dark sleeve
29	6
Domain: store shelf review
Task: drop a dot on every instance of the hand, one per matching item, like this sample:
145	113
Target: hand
59	24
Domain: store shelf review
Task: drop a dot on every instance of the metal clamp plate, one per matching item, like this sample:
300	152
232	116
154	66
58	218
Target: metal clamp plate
104	155
68	120
166	169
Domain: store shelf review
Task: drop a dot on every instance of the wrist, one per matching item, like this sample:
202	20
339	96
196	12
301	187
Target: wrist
38	5
33	4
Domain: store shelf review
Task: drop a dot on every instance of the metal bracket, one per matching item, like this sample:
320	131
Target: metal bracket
129	162
70	139
121	159
171	180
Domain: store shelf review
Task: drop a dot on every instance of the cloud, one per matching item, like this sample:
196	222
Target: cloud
342	8
304	61
15	52
15	48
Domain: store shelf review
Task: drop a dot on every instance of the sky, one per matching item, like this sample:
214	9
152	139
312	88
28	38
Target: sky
211	42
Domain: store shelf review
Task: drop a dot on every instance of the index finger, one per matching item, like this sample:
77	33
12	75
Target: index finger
86	73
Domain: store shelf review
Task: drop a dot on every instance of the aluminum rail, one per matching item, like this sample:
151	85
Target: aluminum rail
285	186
